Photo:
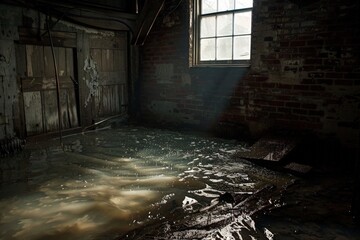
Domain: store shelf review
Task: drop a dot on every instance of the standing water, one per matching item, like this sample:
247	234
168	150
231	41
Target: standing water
138	183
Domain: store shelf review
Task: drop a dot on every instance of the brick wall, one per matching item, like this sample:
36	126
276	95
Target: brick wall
304	74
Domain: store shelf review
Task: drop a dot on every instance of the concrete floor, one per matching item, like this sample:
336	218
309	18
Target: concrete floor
143	183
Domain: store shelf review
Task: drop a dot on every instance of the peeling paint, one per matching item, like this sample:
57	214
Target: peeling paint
93	82
88	30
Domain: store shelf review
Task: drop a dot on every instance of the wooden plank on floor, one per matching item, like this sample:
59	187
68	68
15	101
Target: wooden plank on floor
270	148
298	168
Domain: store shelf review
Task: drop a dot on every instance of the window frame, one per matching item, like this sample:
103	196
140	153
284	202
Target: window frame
195	20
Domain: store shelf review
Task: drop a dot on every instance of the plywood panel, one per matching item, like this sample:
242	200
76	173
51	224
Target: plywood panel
34	60
116	99
96	56
39	88
49	61
110	55
107	60
33	112
64	109
110	100
123	95
61	63
38	83
50	111
21	60
114	78
69	63
119	60
71	108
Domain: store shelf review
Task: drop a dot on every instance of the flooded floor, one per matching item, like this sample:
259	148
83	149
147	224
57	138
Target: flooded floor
142	183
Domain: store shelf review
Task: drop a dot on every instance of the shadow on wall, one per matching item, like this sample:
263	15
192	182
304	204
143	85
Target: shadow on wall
215	86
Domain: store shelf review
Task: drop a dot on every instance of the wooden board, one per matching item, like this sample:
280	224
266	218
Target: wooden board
72	110
39	85
33	112
270	148
34	61
49	61
70	63
50	111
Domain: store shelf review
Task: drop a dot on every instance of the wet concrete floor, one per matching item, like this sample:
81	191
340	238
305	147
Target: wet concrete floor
143	183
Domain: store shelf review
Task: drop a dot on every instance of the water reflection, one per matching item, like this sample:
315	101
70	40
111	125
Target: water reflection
105	184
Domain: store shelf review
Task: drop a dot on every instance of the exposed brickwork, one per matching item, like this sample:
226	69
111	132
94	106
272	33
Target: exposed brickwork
305	71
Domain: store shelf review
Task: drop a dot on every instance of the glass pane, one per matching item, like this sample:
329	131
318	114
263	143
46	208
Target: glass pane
242	48
207	27
225	5
224	25
208	6
224	48
240	4
207	49
242	23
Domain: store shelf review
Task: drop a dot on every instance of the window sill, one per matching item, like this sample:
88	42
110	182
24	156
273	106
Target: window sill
220	66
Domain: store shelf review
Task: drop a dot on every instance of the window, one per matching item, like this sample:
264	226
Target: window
222	32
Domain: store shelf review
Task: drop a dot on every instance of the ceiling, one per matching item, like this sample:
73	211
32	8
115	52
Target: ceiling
135	16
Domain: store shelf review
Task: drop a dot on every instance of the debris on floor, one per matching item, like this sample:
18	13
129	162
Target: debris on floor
298	168
269	148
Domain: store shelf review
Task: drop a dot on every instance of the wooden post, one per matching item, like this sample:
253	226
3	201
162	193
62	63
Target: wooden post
83	51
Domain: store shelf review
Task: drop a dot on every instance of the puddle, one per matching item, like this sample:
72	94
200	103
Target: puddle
136	183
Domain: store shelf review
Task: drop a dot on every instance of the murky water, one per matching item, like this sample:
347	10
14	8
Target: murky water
133	182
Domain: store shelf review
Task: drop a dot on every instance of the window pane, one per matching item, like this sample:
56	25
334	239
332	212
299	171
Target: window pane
242	48
224	25
224	48
242	23
225	5
207	28
239	4
207	49
208	6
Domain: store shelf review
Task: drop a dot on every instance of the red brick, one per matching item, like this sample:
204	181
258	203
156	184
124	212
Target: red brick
324	81
283	110
268	109
316	113
313	61
309	68
308	106
308	81
317	88
301	87
268	85
292	104
352	75
308	50
260	78
284	44
297	43
315	43
333	75
344	82
300	111
284	86
268	102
